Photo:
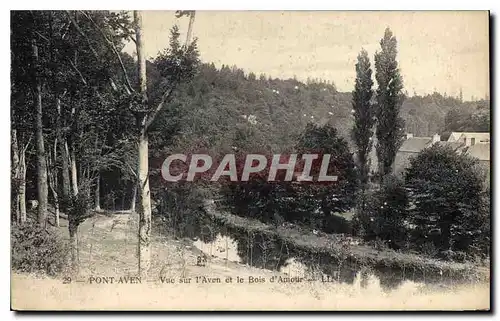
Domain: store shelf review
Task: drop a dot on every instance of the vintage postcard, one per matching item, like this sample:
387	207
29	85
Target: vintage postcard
250	160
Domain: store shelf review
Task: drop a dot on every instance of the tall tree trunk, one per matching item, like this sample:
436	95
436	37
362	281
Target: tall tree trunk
22	185
53	188
15	175
74	175
53	182
72	221
63	146
65	168
134	198
58	220
144	244
97	193
40	148
190	28
144	208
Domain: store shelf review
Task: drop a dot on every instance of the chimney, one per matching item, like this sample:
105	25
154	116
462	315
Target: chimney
408	136
436	138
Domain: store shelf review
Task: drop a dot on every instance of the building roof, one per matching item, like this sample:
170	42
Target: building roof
479	151
454	136
453	145
480	137
415	144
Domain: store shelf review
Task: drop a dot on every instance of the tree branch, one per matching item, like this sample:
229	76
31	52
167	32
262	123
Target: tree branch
96	55
42	36
80	31
128	35
131	169
77	71
132	38
27	144
66	27
113	47
165	98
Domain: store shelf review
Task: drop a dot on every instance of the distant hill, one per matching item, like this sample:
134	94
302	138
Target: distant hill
431	114
224	109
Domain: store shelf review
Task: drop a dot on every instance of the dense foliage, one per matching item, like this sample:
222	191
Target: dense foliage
386	213
447	194
34	249
468	119
307	203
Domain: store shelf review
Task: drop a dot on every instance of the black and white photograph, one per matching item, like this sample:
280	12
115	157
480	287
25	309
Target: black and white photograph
270	160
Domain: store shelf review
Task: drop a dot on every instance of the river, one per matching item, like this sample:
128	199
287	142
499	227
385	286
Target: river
263	252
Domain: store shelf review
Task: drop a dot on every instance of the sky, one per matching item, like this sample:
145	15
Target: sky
444	51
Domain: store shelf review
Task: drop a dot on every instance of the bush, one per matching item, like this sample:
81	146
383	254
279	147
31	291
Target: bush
384	213
180	208
310	204
36	250
450	206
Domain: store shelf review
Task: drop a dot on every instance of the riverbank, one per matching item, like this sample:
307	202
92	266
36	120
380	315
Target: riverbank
108	247
335	247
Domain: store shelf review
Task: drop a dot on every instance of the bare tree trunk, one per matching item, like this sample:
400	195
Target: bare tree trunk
65	168
53	188
144	208
144	244
74	175
190	28
22	185
53	182
58	221
40	148
134	198
63	145
16	205
15	175
97	193
72	222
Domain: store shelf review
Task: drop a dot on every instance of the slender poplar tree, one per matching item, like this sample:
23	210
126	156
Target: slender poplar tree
364	115
389	98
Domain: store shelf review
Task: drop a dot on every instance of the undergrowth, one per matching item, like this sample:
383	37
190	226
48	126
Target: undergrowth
38	250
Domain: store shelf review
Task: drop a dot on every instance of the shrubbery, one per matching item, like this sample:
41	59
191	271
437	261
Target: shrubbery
37	250
441	209
449	209
309	204
180	208
385	212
